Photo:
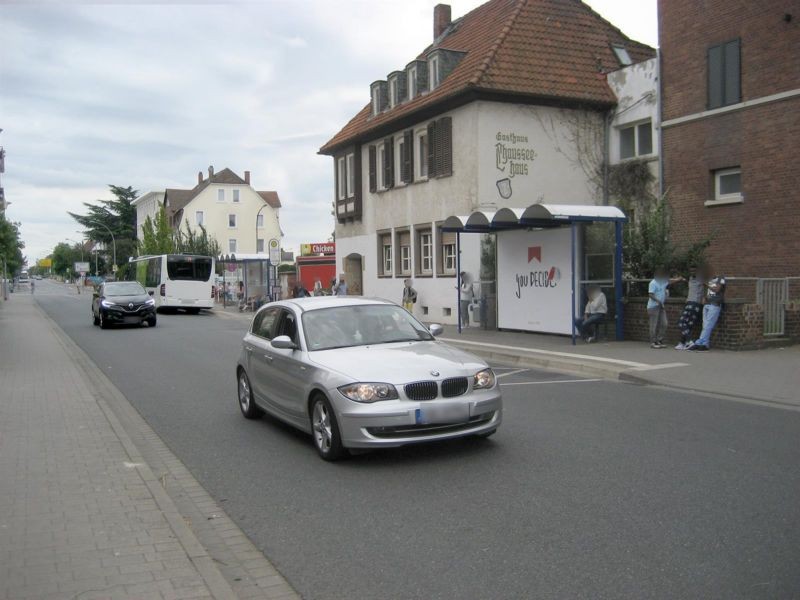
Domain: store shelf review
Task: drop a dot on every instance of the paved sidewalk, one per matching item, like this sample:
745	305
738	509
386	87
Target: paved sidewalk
82	514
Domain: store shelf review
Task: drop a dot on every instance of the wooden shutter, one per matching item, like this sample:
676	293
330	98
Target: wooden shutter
373	172
448	237
408	157
732	89
432	149
444	147
715	77
388	162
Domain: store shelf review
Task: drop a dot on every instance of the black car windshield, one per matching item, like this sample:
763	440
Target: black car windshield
362	325
124	288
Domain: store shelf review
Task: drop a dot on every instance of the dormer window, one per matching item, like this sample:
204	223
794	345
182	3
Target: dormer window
376	100
433	73
412	82
393	100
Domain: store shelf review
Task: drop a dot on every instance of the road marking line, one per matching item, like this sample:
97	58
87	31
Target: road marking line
554	381
615	361
510	373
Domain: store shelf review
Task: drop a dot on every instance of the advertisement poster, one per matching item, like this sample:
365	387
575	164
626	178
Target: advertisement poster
534	288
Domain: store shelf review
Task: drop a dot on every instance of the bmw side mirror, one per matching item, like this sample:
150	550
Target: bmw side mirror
436	329
152	292
283	342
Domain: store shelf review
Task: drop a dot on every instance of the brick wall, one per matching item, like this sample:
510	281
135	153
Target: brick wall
757	238
740	327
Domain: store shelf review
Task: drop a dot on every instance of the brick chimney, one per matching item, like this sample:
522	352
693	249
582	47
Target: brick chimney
247	177
199	177
441	19
210	172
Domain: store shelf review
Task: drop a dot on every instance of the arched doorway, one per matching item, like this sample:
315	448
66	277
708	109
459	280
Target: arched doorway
353	272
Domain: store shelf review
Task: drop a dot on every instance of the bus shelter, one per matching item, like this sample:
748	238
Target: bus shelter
248	279
536	259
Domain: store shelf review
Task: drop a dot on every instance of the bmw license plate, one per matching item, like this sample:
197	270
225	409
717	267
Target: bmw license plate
443	413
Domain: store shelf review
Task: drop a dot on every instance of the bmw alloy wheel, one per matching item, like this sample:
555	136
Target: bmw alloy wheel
323	431
246	404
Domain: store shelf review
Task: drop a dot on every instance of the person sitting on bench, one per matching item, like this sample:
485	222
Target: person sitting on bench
593	314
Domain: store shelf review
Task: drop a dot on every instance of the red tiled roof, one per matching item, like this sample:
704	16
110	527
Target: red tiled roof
548	49
271	198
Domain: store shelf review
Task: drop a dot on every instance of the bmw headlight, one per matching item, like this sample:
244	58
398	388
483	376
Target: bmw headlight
107	304
150	302
369	392
483	380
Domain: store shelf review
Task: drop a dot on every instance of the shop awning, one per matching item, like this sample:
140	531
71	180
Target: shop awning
536	215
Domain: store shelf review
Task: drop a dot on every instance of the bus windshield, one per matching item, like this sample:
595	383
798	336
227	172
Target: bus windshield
189	268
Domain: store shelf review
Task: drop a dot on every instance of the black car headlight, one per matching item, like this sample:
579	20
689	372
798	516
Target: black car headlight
107	304
369	392
483	380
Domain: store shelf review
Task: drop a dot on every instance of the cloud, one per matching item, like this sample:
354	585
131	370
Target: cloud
147	94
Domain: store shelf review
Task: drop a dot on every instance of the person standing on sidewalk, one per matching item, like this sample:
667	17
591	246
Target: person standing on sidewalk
656	311
693	309
465	296
715	298
33	286
409	296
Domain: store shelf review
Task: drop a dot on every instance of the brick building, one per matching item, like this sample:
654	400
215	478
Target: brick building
730	85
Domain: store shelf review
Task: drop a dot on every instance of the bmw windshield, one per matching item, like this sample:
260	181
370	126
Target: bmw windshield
363	325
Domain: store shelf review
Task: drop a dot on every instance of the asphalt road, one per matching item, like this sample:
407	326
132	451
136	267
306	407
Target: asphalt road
590	489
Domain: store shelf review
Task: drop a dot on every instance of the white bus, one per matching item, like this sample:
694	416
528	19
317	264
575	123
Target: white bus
175	280
23	278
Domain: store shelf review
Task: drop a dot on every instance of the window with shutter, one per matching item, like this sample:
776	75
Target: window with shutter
444	139
724	74
373	176
388	163
407	158
432	142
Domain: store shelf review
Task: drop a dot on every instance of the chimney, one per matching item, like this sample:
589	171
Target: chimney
199	177
247	177
441	19
210	172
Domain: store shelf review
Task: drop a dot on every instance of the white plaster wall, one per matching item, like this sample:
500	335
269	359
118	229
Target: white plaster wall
553	137
636	88
215	217
147	205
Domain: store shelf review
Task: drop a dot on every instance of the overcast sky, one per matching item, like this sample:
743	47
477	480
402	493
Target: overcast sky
148	94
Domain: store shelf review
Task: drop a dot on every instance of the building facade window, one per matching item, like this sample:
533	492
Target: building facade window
340	178
636	140
399	157
724	74
403	255
392	92
232	245
220	195
259	245
350	164
433	73
412	82
259	220
232	221
422	155
728	185
376	100
235	195
424	252
198	217
381	167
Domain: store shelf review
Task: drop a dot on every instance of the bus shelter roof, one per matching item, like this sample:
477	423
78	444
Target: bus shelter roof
235	257
536	215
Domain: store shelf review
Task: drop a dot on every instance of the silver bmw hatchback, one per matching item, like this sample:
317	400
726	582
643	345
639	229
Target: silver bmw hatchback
362	373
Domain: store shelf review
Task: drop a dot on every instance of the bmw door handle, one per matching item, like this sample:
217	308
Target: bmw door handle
248	349
268	357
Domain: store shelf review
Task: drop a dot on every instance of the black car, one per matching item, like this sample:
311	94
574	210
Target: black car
123	303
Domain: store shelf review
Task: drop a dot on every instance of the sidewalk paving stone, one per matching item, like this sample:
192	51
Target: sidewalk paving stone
81	512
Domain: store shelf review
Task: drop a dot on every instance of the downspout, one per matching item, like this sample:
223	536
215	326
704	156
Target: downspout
659	116
606	152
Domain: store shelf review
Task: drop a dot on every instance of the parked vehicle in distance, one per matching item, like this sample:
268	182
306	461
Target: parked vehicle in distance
23	278
122	303
175	280
362	373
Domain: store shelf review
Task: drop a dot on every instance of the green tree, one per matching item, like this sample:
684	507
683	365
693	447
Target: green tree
196	242
11	245
64	258
157	235
117	215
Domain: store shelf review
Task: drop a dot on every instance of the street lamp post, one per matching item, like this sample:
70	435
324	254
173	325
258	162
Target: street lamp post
113	242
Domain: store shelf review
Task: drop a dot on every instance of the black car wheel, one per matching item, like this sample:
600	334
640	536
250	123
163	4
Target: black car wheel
325	429
246	404
151	322
103	321
95	320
